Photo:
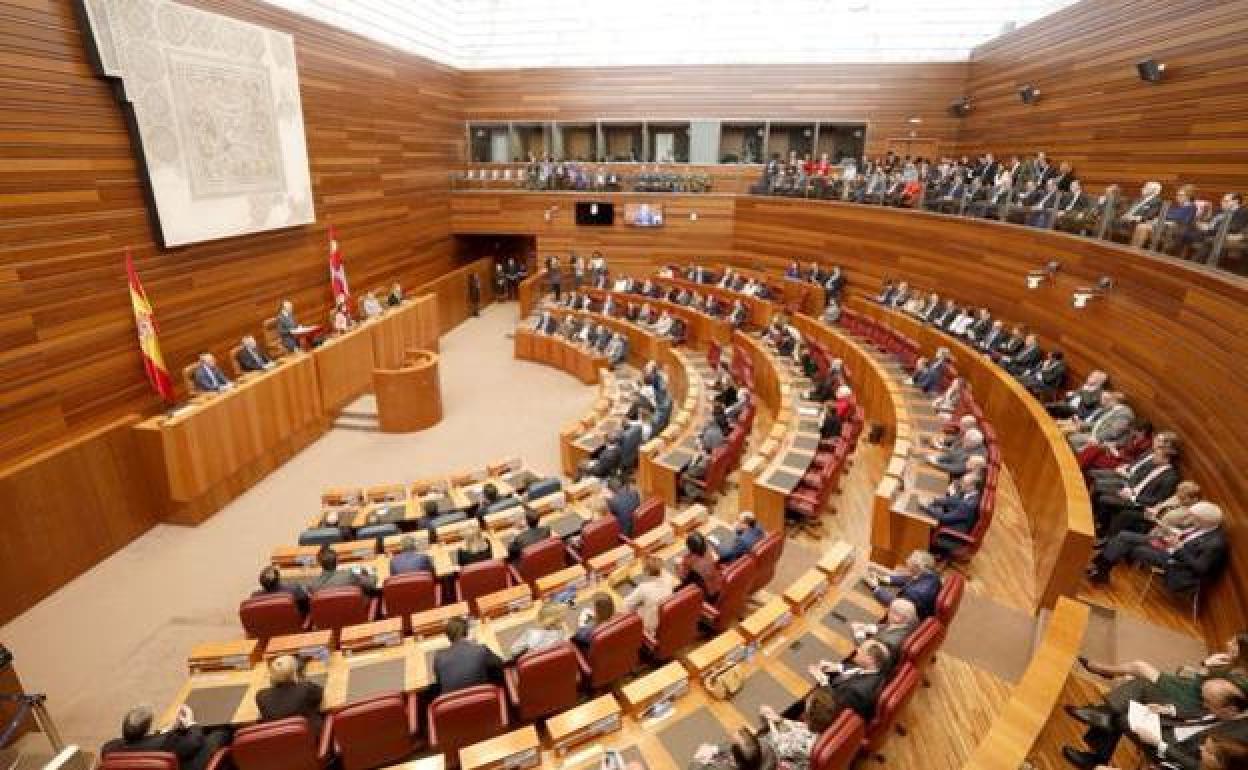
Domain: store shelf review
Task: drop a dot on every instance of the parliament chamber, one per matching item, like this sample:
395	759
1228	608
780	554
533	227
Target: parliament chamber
496	385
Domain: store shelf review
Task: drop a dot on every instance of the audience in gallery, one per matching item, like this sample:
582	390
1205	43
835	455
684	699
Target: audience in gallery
1140	513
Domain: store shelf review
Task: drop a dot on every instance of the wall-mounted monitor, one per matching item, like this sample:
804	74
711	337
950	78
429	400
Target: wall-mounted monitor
644	214
595	213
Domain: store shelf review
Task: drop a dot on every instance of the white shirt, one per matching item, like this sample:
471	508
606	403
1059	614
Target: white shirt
646	598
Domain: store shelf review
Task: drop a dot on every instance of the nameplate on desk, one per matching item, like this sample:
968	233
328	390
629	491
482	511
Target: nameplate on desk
363	552
238	662
315	652
523	603
527	758
607	724
674	690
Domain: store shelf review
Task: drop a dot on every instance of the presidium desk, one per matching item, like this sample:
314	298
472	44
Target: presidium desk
216	446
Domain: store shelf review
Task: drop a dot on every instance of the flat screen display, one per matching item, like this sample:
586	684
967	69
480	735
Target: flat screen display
644	214
595	213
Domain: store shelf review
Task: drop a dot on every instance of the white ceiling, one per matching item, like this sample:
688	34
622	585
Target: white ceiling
483	34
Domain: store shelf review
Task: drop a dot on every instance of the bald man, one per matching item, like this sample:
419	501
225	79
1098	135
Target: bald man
1188	555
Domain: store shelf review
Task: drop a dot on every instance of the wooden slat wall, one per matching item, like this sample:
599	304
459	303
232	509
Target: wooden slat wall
1173	336
885	96
382	128
1096	112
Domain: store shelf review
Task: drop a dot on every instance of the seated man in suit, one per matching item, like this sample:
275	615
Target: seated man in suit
286	325
622	501
1047	204
916	580
251	358
1188	556
208	376
1146	208
856	682
747	533
290	695
534	533
1232	215
410	558
1145	482
1045	377
900	622
493	502
953	460
606	460
1074	209
271	583
184	739
927	374
617	350
395	297
1106	425
332	577
1082	402
1223	713
695	471
734	410
958	511
465	663
1027	356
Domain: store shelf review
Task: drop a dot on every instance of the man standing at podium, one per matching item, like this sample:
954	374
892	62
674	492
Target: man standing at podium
286	326
208	376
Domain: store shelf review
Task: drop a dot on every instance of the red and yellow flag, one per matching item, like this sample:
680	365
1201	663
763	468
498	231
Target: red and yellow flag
145	322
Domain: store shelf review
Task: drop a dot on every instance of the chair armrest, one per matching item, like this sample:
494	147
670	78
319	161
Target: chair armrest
437	593
650	642
955	534
514	574
374	608
413	714
219	760
582	662
574	556
512	686
326	750
709	613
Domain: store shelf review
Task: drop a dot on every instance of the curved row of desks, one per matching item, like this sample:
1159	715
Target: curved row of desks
580	439
701	328
560	353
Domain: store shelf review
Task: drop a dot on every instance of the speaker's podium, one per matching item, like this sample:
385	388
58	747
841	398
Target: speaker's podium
409	398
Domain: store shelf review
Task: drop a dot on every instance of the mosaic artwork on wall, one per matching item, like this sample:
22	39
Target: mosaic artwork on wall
216	116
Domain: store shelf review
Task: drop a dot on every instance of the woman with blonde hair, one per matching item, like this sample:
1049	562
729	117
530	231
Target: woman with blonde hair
548	632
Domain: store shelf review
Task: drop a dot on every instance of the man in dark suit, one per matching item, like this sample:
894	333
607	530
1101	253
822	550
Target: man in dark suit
410	558
1143	484
1188	556
927	376
623	500
916	580
1084	401
286	325
289	695
1046	205
1065	176
271	583
1028	355
186	740
1232	215
606	460
332	577
747	533
1074	208
251	358
1046	377
1143	210
958	511
465	663
900	622
856	682
208	376
534	533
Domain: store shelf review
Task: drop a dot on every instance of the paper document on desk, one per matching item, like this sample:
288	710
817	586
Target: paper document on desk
808	411
1142	720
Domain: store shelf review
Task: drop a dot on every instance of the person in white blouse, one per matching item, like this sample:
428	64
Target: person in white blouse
371	307
548	632
653	589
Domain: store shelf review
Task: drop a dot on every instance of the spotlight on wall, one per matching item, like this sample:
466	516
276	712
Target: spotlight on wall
693	216
1037	278
1085	294
1150	70
961	108
549	214
1029	94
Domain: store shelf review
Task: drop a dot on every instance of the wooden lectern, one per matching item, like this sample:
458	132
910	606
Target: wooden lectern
409	398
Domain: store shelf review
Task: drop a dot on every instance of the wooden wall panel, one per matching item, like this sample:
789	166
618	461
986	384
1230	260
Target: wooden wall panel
1096	112
382	127
884	96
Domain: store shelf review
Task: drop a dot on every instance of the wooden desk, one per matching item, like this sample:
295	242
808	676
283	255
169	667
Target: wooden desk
583	723
558	352
344	367
409	398
214	448
413	324
514	750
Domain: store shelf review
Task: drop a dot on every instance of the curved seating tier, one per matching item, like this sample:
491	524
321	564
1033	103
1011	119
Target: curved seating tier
702	329
559	353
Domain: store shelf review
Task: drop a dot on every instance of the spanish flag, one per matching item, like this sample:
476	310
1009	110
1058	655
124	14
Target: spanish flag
145	322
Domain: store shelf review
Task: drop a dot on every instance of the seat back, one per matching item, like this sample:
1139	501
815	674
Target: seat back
738	580
717	468
375	531
922	643
678	622
333	608
405	594
892	699
615	649
484	577
836	747
270	615
463	717
542	488
373	733
599	536
767	553
649	515
541	559
320	536
950	596
287	744
547	681
139	760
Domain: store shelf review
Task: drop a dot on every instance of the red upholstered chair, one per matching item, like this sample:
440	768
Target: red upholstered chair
950	596
484	577
270	615
648	516
597	537
402	595
287	744
836	747
767	553
463	717
540	560
544	682
139	760
892	699
333	608
376	732
738	580
708	486
678	624
614	650
920	647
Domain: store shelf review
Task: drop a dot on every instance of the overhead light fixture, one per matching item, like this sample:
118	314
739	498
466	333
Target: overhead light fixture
1037	278
1150	70
961	108
914	119
1029	94
693	216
